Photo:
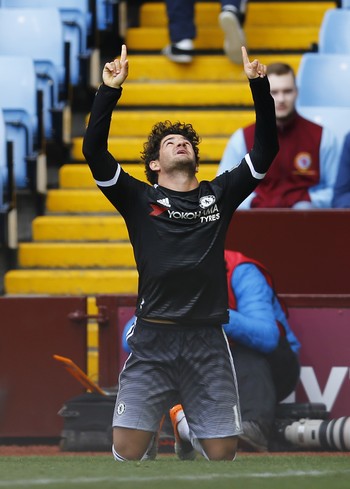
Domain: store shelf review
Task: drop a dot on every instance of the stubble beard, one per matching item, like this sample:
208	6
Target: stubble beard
185	165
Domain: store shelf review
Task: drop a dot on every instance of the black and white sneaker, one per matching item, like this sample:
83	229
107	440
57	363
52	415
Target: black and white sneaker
253	436
180	52
234	35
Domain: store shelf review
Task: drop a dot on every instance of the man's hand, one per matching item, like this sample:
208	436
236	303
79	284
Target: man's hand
252	69
115	73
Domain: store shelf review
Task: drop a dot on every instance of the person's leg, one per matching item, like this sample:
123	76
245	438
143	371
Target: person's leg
285	369
130	444
182	30
143	396
257	396
231	20
220	448
186	443
137	415
209	395
181	20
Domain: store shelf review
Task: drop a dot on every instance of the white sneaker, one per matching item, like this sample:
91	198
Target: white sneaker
180	52
234	35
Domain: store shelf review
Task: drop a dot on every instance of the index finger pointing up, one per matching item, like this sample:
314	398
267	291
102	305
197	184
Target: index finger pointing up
123	54
245	55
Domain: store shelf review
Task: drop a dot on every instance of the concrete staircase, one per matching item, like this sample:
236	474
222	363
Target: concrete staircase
81	247
273	26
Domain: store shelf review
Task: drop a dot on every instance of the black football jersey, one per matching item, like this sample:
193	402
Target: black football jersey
178	237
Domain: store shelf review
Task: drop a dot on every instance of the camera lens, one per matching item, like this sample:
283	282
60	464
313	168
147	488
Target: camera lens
316	433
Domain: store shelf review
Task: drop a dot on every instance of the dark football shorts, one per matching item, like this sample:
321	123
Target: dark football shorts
171	364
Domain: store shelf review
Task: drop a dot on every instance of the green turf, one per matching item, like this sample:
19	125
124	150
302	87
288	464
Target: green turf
272	471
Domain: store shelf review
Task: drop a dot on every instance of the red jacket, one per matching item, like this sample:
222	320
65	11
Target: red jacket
235	258
296	167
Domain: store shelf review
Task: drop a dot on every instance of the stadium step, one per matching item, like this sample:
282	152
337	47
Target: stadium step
189	94
79	228
76	255
153	14
70	282
155	67
77	201
269	26
206	122
211	38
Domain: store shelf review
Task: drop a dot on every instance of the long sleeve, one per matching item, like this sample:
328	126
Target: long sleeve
244	176
253	324
95	145
265	146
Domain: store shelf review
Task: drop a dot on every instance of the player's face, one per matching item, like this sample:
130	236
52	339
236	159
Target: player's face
176	152
284	93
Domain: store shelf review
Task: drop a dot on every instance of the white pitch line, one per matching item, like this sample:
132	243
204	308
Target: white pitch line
141	479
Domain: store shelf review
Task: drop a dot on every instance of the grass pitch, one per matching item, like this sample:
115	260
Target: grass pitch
270	471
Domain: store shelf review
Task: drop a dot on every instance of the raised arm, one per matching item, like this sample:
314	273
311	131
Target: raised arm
95	145
265	146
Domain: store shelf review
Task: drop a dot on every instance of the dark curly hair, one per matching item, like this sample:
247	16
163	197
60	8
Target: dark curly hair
152	145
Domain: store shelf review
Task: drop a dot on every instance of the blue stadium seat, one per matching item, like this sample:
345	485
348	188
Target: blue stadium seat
38	33
345	3
76	21
8	211
3	158
104	14
334	34
18	101
337	119
324	80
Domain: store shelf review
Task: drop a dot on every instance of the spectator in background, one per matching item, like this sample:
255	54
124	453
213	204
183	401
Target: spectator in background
264	348
303	173
182	29
341	197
